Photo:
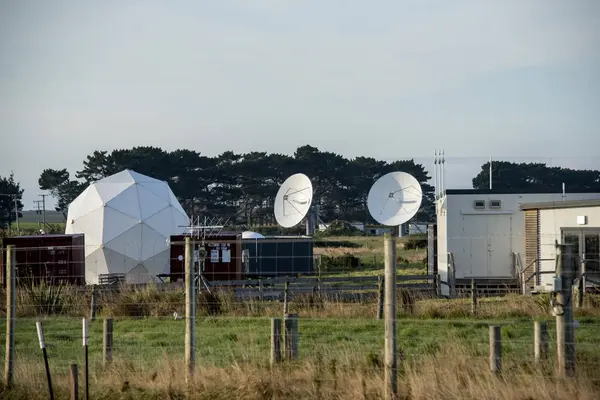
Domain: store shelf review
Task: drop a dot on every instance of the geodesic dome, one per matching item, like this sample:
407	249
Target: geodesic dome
127	219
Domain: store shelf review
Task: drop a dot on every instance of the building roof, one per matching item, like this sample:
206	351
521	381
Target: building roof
50	236
546	205
520	191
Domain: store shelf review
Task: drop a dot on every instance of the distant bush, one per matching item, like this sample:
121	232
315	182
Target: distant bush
347	261
415	242
340	228
335	243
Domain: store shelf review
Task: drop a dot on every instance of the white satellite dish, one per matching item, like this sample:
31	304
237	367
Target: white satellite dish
394	198
293	200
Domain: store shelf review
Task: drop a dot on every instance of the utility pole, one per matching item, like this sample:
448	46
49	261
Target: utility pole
490	173
38	211
43	196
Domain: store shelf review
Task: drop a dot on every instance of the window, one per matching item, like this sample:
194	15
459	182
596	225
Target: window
495	204
479	204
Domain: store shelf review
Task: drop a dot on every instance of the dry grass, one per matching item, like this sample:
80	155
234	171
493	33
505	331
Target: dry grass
452	373
151	301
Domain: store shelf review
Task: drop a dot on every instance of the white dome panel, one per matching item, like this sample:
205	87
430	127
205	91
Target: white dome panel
108	191
176	205
90	202
160	220
127	219
160	189
151	204
128	243
153	243
90	224
127	202
115	223
95	264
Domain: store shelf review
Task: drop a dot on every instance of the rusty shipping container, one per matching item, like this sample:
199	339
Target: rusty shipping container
223	260
53	259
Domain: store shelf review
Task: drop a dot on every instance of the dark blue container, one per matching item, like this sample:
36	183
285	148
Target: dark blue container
276	256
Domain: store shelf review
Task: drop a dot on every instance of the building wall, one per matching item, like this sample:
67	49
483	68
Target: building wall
482	241
442	245
551	223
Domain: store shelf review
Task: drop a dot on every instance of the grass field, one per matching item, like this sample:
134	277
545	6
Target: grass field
145	349
443	348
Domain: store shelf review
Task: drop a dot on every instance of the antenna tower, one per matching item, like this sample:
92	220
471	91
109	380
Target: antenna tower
199	229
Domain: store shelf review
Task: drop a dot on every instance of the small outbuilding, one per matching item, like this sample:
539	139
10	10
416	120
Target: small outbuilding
480	235
575	222
222	260
48	259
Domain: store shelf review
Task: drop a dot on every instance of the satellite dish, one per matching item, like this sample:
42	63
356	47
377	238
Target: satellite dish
394	198
251	235
293	200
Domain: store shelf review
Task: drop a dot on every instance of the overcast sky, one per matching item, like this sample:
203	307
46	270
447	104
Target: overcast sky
390	79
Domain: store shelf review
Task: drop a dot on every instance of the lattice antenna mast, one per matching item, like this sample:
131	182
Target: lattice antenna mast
198	229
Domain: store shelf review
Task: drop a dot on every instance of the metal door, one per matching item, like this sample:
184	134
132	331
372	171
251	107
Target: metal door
591	254
586	249
499	246
473	262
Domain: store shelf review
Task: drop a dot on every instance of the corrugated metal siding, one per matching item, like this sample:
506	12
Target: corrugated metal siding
52	258
532	242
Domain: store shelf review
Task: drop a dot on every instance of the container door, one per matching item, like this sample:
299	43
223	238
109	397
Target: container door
573	238
498	246
591	254
471	262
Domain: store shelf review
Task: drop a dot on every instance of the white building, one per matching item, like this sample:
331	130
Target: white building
575	222
480	233
126	219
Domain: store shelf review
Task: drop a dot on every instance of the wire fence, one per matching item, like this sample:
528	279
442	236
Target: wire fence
337	298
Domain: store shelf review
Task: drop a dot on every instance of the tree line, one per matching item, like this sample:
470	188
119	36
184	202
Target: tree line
242	187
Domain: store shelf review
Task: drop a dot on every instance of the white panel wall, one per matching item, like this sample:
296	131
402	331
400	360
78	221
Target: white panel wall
463	226
442	247
551	223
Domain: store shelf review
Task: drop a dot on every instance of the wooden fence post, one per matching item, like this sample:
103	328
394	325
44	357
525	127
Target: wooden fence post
93	304
380	296
565	333
11	312
190	313
86	366
391	356
107	340
286	297
473	297
540	340
74	382
275	340
580	291
290	322
495	349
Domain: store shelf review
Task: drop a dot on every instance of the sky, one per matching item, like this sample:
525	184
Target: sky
392	79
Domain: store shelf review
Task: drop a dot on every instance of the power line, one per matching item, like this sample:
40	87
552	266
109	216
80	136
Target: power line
38	211
43	196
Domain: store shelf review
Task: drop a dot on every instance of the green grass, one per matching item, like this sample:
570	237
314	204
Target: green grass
223	341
